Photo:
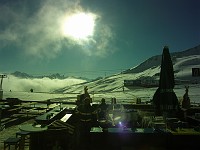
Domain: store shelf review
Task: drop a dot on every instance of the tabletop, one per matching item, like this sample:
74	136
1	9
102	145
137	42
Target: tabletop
32	128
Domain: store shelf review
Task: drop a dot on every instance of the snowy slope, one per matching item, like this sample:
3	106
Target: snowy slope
112	86
147	71
187	57
183	66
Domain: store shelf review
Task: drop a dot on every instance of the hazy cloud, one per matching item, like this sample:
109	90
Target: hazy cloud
39	33
39	85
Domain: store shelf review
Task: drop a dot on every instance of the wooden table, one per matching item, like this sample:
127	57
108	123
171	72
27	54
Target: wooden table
36	132
32	128
49	116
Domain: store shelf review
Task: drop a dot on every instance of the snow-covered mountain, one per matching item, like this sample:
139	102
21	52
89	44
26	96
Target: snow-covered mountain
187	57
51	76
147	73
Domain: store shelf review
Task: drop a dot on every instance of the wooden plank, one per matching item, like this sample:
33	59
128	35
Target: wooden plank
66	117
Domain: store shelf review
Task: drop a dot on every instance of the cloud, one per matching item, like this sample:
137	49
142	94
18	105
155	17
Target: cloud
103	42
37	32
39	85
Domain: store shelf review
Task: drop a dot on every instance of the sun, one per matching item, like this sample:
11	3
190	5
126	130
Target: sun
79	26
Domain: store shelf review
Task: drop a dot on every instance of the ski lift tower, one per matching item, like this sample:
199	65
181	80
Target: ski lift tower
1	89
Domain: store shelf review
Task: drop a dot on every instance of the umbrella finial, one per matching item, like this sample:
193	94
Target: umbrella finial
166	47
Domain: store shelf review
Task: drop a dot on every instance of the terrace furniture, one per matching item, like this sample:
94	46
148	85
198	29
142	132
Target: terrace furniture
32	128
65	117
12	141
159	125
36	132
60	125
158	122
131	138
50	116
25	137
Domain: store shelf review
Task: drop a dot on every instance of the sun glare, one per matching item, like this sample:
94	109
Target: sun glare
79	26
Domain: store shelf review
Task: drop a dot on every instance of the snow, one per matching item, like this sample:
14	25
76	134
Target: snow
112	86
126	96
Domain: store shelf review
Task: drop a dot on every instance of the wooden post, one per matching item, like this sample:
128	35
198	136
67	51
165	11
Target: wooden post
1	89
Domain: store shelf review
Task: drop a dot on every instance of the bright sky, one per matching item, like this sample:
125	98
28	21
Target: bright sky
91	38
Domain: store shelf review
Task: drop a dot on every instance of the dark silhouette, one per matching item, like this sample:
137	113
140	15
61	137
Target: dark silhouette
164	99
0	117
113	100
86	119
86	94
186	99
102	110
31	90
83	96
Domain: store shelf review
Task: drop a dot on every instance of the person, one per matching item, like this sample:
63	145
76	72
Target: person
86	119
31	90
103	115
102	110
186	99
113	101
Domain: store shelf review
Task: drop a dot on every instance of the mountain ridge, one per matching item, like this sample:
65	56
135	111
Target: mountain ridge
146	73
51	76
155	60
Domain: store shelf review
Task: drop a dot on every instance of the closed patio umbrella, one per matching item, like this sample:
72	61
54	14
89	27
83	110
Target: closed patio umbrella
164	99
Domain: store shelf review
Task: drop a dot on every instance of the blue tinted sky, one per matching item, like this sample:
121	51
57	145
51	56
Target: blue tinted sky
126	33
